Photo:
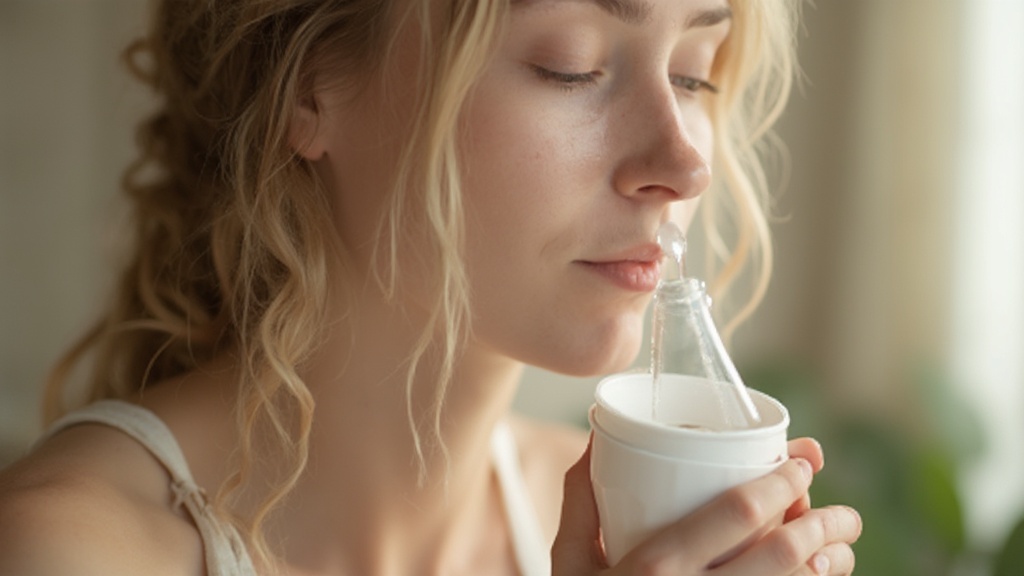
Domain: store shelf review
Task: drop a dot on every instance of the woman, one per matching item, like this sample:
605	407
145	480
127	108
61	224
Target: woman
356	221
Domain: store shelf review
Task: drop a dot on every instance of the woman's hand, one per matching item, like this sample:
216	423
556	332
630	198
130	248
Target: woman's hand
741	525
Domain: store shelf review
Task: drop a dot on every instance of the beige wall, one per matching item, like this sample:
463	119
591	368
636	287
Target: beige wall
65	114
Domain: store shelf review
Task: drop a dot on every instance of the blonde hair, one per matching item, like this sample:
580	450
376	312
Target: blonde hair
232	238
754	72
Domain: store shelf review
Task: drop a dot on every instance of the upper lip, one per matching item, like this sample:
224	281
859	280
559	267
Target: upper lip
645	252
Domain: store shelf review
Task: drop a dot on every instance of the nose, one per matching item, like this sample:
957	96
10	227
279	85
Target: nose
662	160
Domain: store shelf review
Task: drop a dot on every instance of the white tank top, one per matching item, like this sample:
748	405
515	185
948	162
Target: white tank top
224	549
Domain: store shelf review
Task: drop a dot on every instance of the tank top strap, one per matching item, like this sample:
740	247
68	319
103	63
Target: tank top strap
528	540
223	548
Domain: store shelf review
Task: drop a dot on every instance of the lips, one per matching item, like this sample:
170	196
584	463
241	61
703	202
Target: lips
636	269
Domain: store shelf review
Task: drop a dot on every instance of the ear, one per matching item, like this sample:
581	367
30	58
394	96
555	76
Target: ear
305	135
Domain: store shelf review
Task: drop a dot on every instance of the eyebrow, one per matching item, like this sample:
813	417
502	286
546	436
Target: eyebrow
639	11
708	18
629	11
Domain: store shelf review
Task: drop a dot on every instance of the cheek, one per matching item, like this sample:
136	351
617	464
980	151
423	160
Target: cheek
526	172
528	213
513	211
532	135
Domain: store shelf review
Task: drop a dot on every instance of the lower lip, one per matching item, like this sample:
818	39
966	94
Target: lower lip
628	275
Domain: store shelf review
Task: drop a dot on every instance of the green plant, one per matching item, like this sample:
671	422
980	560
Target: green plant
1010	559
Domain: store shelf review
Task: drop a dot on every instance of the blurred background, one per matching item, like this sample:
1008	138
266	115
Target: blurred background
894	327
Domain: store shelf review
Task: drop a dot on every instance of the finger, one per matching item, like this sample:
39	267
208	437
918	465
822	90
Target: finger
841	559
832	560
716	530
798	509
577	549
789	548
809	449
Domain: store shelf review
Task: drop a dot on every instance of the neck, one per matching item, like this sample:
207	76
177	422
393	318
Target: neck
370	501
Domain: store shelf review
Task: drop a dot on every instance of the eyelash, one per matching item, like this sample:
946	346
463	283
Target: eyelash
693	84
570	81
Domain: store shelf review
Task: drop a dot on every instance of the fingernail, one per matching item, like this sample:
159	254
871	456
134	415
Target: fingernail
860	520
820	564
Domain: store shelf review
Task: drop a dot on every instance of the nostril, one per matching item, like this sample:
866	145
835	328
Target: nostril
656	188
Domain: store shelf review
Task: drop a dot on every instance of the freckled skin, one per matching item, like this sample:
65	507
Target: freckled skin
558	176
578	141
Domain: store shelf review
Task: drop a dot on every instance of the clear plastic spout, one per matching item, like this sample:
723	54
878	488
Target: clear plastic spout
684	337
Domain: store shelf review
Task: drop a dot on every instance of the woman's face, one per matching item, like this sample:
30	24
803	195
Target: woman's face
588	129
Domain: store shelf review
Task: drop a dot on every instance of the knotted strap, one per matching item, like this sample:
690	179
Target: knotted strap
223	548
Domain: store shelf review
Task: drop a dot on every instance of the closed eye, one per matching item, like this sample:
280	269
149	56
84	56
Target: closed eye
692	84
574	80
568	80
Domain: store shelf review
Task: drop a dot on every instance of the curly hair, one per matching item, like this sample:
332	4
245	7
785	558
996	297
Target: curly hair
232	234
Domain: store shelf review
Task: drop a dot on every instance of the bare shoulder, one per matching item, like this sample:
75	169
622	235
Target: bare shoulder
546	451
70	508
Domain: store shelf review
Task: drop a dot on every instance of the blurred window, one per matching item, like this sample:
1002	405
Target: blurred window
988	338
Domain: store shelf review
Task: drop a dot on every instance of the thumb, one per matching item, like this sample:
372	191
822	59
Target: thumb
577	549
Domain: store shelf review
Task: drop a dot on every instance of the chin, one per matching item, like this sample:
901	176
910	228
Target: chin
596	359
588	369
